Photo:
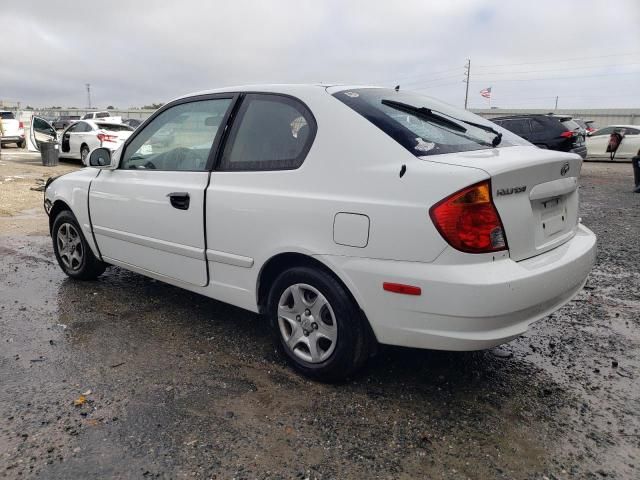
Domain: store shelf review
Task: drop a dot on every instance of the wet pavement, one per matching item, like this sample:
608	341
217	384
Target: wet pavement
126	377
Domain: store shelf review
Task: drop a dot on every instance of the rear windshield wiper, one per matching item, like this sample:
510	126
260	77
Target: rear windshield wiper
443	119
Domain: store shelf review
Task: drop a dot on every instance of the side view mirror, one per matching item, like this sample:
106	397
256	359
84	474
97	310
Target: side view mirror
101	158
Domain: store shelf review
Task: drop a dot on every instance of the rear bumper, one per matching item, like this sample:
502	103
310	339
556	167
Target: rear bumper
582	151
12	138
470	306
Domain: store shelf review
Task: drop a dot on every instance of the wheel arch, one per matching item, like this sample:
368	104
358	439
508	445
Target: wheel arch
57	207
285	260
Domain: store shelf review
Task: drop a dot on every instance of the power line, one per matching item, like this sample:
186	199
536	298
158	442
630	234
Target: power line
560	69
559	78
559	60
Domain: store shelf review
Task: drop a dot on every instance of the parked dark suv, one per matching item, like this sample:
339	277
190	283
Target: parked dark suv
555	132
63	121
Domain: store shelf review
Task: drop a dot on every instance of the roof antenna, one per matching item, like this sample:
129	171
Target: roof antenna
397	88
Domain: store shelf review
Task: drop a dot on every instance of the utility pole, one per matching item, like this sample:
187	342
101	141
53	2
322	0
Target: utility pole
88	85
556	102
467	75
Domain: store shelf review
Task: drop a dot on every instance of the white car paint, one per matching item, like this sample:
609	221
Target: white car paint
12	128
104	116
91	134
347	207
629	146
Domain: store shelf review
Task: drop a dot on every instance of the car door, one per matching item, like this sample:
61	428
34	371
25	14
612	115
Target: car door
149	212
630	144
41	131
65	140
78	137
597	142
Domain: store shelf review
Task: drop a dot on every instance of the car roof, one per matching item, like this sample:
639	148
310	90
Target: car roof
620	126
284	88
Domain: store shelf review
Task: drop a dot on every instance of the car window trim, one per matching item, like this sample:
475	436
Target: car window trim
236	121
233	96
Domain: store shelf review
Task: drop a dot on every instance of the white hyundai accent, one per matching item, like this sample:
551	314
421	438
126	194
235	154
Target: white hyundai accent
349	216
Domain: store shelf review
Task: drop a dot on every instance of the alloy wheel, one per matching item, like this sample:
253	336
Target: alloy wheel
307	323
70	246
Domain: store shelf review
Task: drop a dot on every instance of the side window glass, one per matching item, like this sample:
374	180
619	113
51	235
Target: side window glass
523	126
603	131
271	132
536	126
180	138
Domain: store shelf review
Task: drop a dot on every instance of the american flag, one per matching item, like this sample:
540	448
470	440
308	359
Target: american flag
486	93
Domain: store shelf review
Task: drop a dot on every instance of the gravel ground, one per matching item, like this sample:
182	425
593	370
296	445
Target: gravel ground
168	384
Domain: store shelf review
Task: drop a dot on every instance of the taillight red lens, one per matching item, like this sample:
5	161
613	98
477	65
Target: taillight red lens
567	134
469	221
105	137
21	125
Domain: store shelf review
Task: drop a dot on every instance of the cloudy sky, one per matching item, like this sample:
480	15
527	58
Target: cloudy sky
586	52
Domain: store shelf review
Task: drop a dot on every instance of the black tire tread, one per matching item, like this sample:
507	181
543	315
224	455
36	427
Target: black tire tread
92	267
348	357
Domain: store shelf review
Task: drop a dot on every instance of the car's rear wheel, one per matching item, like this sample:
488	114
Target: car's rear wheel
317	325
84	151
21	144
71	249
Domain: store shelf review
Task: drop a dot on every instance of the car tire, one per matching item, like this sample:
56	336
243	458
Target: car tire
322	332
21	144
73	253
84	152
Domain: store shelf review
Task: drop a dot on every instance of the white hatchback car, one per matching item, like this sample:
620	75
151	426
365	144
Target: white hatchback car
79	138
347	215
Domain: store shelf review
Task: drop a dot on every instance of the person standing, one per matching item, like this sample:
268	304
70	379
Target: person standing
635	161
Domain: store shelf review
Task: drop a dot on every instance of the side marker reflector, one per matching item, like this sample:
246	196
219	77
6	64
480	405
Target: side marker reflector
401	288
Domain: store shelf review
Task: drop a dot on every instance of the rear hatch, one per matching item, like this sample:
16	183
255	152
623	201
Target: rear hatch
121	131
10	126
578	132
535	192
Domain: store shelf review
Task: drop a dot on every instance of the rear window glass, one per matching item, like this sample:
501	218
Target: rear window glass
570	124
423	125
115	127
7	116
102	115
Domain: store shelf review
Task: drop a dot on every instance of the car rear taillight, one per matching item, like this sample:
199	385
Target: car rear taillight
21	125
105	137
567	134
468	220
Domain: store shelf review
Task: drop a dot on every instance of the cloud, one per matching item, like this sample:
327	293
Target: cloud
139	52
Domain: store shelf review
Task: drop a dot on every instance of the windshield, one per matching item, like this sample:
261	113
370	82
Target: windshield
7	116
421	132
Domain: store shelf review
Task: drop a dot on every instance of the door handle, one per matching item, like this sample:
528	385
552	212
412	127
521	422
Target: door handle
179	200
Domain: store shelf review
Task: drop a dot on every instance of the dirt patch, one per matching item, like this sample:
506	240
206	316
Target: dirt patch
184	386
20	173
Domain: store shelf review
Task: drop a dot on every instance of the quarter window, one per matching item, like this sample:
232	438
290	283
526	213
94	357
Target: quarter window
179	138
272	132
603	131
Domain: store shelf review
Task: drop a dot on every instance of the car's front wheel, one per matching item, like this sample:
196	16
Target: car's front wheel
84	151
317	325
71	249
